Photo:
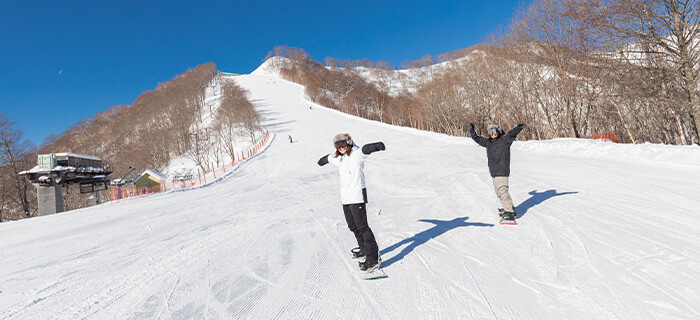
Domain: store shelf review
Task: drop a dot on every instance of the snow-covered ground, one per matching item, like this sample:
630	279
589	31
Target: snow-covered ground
605	232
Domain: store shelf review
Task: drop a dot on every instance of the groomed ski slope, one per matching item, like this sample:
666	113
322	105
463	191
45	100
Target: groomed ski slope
605	232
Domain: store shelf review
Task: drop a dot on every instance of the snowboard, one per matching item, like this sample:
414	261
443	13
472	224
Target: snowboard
508	222
505	221
373	273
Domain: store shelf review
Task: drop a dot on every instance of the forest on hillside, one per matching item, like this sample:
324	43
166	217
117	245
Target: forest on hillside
160	124
567	68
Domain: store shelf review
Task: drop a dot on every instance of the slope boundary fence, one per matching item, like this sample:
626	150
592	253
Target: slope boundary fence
122	192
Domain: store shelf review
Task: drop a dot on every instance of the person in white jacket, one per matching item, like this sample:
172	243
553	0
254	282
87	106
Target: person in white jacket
349	159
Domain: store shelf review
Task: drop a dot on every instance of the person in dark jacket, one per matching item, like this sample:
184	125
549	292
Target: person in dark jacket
498	154
349	159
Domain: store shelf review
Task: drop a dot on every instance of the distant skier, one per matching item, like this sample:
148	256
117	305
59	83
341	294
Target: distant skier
498	154
290	138
350	162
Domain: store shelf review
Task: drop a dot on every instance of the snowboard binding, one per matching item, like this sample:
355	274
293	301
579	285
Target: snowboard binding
357	254
507	217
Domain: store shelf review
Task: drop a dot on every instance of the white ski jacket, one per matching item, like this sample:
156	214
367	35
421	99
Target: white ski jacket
352	177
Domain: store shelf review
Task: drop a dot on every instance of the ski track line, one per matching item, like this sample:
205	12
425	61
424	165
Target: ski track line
20	306
575	265
456	186
283	289
241	303
167	297
483	296
444	284
178	257
570	238
166	301
239	300
461	192
625	229
456	190
618	227
210	293
637	196
666	290
247	302
130	282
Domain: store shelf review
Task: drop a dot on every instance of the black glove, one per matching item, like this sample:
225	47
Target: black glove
373	147
471	126
323	161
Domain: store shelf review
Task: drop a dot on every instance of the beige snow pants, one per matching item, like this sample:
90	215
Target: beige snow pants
500	185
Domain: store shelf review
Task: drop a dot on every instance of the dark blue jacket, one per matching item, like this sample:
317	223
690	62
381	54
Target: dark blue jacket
498	150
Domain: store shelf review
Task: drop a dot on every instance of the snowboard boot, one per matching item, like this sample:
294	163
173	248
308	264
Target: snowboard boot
509	215
371	264
358	254
501	213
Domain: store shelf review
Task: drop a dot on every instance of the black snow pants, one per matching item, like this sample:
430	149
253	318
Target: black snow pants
356	216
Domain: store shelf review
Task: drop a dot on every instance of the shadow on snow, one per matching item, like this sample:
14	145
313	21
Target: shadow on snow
422	237
537	198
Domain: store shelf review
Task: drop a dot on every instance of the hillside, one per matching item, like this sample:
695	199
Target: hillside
190	126
605	231
395	82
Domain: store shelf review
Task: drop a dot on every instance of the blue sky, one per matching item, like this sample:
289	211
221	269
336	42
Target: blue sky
63	61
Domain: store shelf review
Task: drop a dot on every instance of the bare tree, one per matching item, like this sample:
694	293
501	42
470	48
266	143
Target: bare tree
408	64
13	151
200	148
235	114
668	28
331	62
427	60
250	120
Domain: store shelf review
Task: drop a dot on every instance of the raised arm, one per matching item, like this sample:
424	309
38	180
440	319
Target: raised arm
477	138
373	147
513	133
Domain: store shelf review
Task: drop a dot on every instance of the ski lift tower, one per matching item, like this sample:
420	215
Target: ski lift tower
55	170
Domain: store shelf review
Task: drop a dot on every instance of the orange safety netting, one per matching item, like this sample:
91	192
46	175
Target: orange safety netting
609	136
121	192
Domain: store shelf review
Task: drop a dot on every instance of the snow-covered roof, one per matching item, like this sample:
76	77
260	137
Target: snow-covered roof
36	169
76	155
152	173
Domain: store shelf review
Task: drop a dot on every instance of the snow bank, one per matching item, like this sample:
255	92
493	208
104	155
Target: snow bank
599	149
